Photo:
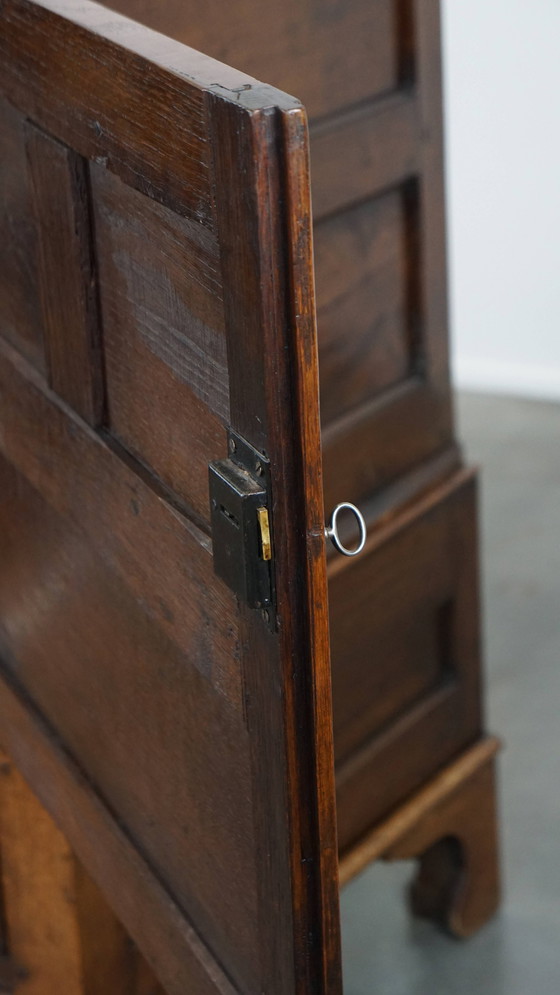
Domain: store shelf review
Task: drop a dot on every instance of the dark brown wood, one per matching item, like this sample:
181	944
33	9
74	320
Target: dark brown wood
366	340
203	728
399	424
97	113
68	663
20	308
381	151
331	58
417	669
154	552
59	183
160	291
450	826
256	342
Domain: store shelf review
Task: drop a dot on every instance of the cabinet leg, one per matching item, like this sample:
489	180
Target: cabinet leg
450	827
458	879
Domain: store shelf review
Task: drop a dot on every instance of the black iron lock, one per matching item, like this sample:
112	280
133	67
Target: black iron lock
241	533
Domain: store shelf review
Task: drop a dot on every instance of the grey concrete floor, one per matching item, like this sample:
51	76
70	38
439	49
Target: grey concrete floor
517	445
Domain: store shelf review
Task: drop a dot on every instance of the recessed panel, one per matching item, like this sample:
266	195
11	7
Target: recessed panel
163	336
363	270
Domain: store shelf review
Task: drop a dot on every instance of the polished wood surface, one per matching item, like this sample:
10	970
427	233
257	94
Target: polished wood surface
179	242
330	57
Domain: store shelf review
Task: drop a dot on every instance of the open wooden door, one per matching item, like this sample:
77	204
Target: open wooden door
157	316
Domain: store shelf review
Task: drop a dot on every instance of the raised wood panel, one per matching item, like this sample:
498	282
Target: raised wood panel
363	303
20	308
160	291
61	204
110	92
330	55
419	642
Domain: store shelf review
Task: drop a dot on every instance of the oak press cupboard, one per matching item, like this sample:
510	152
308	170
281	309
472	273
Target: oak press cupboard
220	743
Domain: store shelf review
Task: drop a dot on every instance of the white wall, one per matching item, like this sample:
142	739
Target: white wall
502	94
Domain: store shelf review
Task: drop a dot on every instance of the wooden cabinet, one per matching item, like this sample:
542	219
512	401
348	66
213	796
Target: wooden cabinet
198	733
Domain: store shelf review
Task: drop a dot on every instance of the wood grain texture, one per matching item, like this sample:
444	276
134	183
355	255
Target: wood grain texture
363	307
449	826
80	73
372	447
155	550
381	151
458	880
205	730
319	717
393	622
328	55
60	191
38	892
386	835
161	294
20	306
395	142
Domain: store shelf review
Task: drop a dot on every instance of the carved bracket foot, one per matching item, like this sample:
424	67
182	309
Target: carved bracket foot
450	827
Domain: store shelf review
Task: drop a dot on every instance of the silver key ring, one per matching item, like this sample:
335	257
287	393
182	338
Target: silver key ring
331	531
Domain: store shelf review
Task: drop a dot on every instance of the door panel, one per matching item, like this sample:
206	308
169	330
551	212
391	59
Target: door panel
185	756
165	350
